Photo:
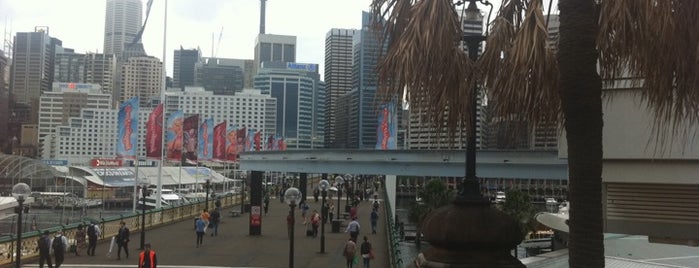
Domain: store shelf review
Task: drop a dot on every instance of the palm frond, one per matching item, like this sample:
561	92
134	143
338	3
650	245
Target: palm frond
521	71
657	44
423	58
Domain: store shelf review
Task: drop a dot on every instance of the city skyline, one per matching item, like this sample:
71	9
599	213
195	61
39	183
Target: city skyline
239	20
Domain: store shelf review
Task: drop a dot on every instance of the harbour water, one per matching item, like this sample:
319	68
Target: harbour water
38	219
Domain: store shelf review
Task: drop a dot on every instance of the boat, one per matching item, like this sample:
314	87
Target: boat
168	198
538	242
500	197
8	205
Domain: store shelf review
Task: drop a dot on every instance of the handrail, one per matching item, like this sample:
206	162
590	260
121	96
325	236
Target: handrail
396	260
109	226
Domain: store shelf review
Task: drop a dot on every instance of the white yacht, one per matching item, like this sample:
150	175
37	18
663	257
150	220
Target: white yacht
500	197
168	198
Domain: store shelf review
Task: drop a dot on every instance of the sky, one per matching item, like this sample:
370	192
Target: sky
190	24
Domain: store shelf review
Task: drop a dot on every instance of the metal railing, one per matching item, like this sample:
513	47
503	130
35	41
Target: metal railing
109	226
395	258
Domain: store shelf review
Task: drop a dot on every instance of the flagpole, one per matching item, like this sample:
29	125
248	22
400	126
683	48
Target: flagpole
158	200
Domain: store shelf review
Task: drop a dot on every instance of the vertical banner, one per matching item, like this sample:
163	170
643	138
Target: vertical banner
386	130
249	142
232	143
175	136
127	128
191	127
206	139
258	140
240	140
220	142
270	142
154	133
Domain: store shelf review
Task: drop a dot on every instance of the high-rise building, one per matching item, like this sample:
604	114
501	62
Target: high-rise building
32	67
122	23
183	67
69	66
274	48
65	101
142	77
300	99
101	69
92	133
338	77
4	104
220	76
366	48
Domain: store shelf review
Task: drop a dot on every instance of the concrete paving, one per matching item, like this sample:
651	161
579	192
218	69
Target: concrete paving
233	247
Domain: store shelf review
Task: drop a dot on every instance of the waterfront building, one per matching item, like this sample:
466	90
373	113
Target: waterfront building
338	80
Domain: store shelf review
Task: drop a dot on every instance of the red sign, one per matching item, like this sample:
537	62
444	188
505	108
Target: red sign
105	162
255	216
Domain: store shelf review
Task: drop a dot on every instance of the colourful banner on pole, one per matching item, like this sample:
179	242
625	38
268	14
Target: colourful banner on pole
127	128
386	130
154	133
232	143
258	140
191	137
220	142
175	136
249	142
206	139
270	142
240	140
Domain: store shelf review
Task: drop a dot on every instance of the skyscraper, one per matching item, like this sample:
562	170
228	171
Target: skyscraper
300	102
101	69
141	76
274	48
183	67
32	67
69	66
220	76
338	77
122	23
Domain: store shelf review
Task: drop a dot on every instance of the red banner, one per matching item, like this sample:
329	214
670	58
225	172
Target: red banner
220	142
191	138
258	140
231	144
154	133
240	140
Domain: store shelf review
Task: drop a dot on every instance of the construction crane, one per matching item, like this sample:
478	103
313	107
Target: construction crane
218	44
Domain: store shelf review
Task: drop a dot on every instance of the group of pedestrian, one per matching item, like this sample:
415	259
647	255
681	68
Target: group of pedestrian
205	221
366	252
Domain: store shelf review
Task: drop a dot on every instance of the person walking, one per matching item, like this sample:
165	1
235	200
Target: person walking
122	240
366	251
374	218
59	245
200	229
304	211
206	217
315	222
93	232
349	251
289	224
147	258
266	203
215	220
331	212
79	239
353	229
44	246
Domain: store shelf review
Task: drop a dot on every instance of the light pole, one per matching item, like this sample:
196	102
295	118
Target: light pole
20	191
144	193
292	196
207	185
323	185
338	183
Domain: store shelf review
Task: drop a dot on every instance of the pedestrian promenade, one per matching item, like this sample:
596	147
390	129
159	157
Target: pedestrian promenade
233	247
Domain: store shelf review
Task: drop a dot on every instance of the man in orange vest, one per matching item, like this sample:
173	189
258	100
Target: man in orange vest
147	258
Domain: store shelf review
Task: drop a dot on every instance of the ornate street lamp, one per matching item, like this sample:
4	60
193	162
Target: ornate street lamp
324	185
20	192
338	183
292	196
144	193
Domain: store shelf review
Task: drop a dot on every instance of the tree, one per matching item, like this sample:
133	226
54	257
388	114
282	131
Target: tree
518	206
529	80
434	194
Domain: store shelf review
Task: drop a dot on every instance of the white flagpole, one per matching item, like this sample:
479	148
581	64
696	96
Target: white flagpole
158	200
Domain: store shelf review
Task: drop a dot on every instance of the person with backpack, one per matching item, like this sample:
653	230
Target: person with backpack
366	251
44	246
349	251
315	222
147	258
122	240
215	220
93	232
59	245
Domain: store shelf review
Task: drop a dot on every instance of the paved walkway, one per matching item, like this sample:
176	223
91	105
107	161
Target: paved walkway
233	247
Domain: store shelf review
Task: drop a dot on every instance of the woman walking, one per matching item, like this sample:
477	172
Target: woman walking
79	239
366	251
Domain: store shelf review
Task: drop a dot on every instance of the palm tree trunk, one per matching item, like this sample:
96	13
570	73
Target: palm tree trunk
582	108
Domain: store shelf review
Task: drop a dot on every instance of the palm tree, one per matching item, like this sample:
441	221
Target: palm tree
531	81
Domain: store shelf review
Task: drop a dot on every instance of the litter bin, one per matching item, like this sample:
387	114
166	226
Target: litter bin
336	225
